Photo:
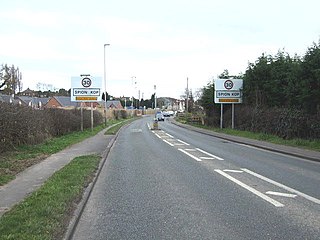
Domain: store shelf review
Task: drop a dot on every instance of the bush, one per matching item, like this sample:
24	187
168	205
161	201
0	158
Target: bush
120	114
25	126
286	123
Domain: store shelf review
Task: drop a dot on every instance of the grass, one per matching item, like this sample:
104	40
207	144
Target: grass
46	213
301	143
114	129
11	163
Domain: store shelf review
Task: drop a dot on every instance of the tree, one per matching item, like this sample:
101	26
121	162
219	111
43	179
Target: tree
224	74
310	92
10	79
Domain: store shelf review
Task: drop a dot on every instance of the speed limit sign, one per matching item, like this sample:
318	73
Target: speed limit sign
86	82
228	84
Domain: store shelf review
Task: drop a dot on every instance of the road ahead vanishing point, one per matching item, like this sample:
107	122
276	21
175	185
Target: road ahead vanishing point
179	184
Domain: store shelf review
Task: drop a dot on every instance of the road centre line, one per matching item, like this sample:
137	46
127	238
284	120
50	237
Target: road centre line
254	191
178	144
168	142
157	135
209	154
233	171
310	198
288	195
169	135
190	155
183	142
207	158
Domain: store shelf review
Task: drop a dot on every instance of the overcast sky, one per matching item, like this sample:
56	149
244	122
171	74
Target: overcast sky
159	42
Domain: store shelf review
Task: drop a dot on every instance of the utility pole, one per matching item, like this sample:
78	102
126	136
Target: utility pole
187	103
155	97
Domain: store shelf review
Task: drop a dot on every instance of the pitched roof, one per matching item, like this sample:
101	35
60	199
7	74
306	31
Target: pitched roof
66	101
114	104
33	100
6	98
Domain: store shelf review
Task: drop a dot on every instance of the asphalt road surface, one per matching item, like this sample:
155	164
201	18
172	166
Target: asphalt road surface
179	184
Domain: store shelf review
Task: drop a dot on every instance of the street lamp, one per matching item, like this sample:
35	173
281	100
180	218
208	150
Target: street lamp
105	83
132	82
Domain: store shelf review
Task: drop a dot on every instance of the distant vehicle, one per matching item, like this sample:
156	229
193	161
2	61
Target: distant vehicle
159	116
168	113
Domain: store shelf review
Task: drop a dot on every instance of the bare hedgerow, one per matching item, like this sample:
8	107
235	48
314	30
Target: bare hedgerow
21	125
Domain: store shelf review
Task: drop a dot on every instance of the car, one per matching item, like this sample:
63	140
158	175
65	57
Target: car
159	116
166	114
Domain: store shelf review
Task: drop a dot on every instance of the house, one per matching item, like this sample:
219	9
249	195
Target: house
114	104
28	92
33	102
65	102
8	99
61	102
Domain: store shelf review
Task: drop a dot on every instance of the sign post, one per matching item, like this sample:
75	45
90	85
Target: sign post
228	91
86	89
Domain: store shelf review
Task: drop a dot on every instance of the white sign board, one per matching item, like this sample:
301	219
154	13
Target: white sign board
86	89
228	90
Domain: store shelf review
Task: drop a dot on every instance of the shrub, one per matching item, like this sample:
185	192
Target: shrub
26	126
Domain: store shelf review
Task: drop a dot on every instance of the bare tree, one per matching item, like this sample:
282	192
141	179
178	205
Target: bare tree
10	79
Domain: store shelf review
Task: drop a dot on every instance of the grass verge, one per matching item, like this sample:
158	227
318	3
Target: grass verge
46	213
114	129
301	143
11	163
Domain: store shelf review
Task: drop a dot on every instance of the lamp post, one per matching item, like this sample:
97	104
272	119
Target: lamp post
105	83
132	82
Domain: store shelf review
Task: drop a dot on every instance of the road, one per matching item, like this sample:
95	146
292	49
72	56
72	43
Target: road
179	184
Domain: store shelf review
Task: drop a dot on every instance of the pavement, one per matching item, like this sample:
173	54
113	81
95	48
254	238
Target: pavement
32	178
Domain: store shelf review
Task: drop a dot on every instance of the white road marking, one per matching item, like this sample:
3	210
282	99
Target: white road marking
288	195
168	142
149	126
209	154
157	135
169	135
254	191
190	155
207	158
136	130
183	142
178	144
310	198
233	171
169	139
190	149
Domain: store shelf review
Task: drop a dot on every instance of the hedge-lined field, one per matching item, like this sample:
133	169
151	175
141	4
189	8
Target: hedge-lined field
25	126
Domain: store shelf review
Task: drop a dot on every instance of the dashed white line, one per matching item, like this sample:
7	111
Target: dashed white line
190	149
169	135
310	198
288	195
233	171
207	158
168	142
157	135
254	191
209	154
190	155
183	142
